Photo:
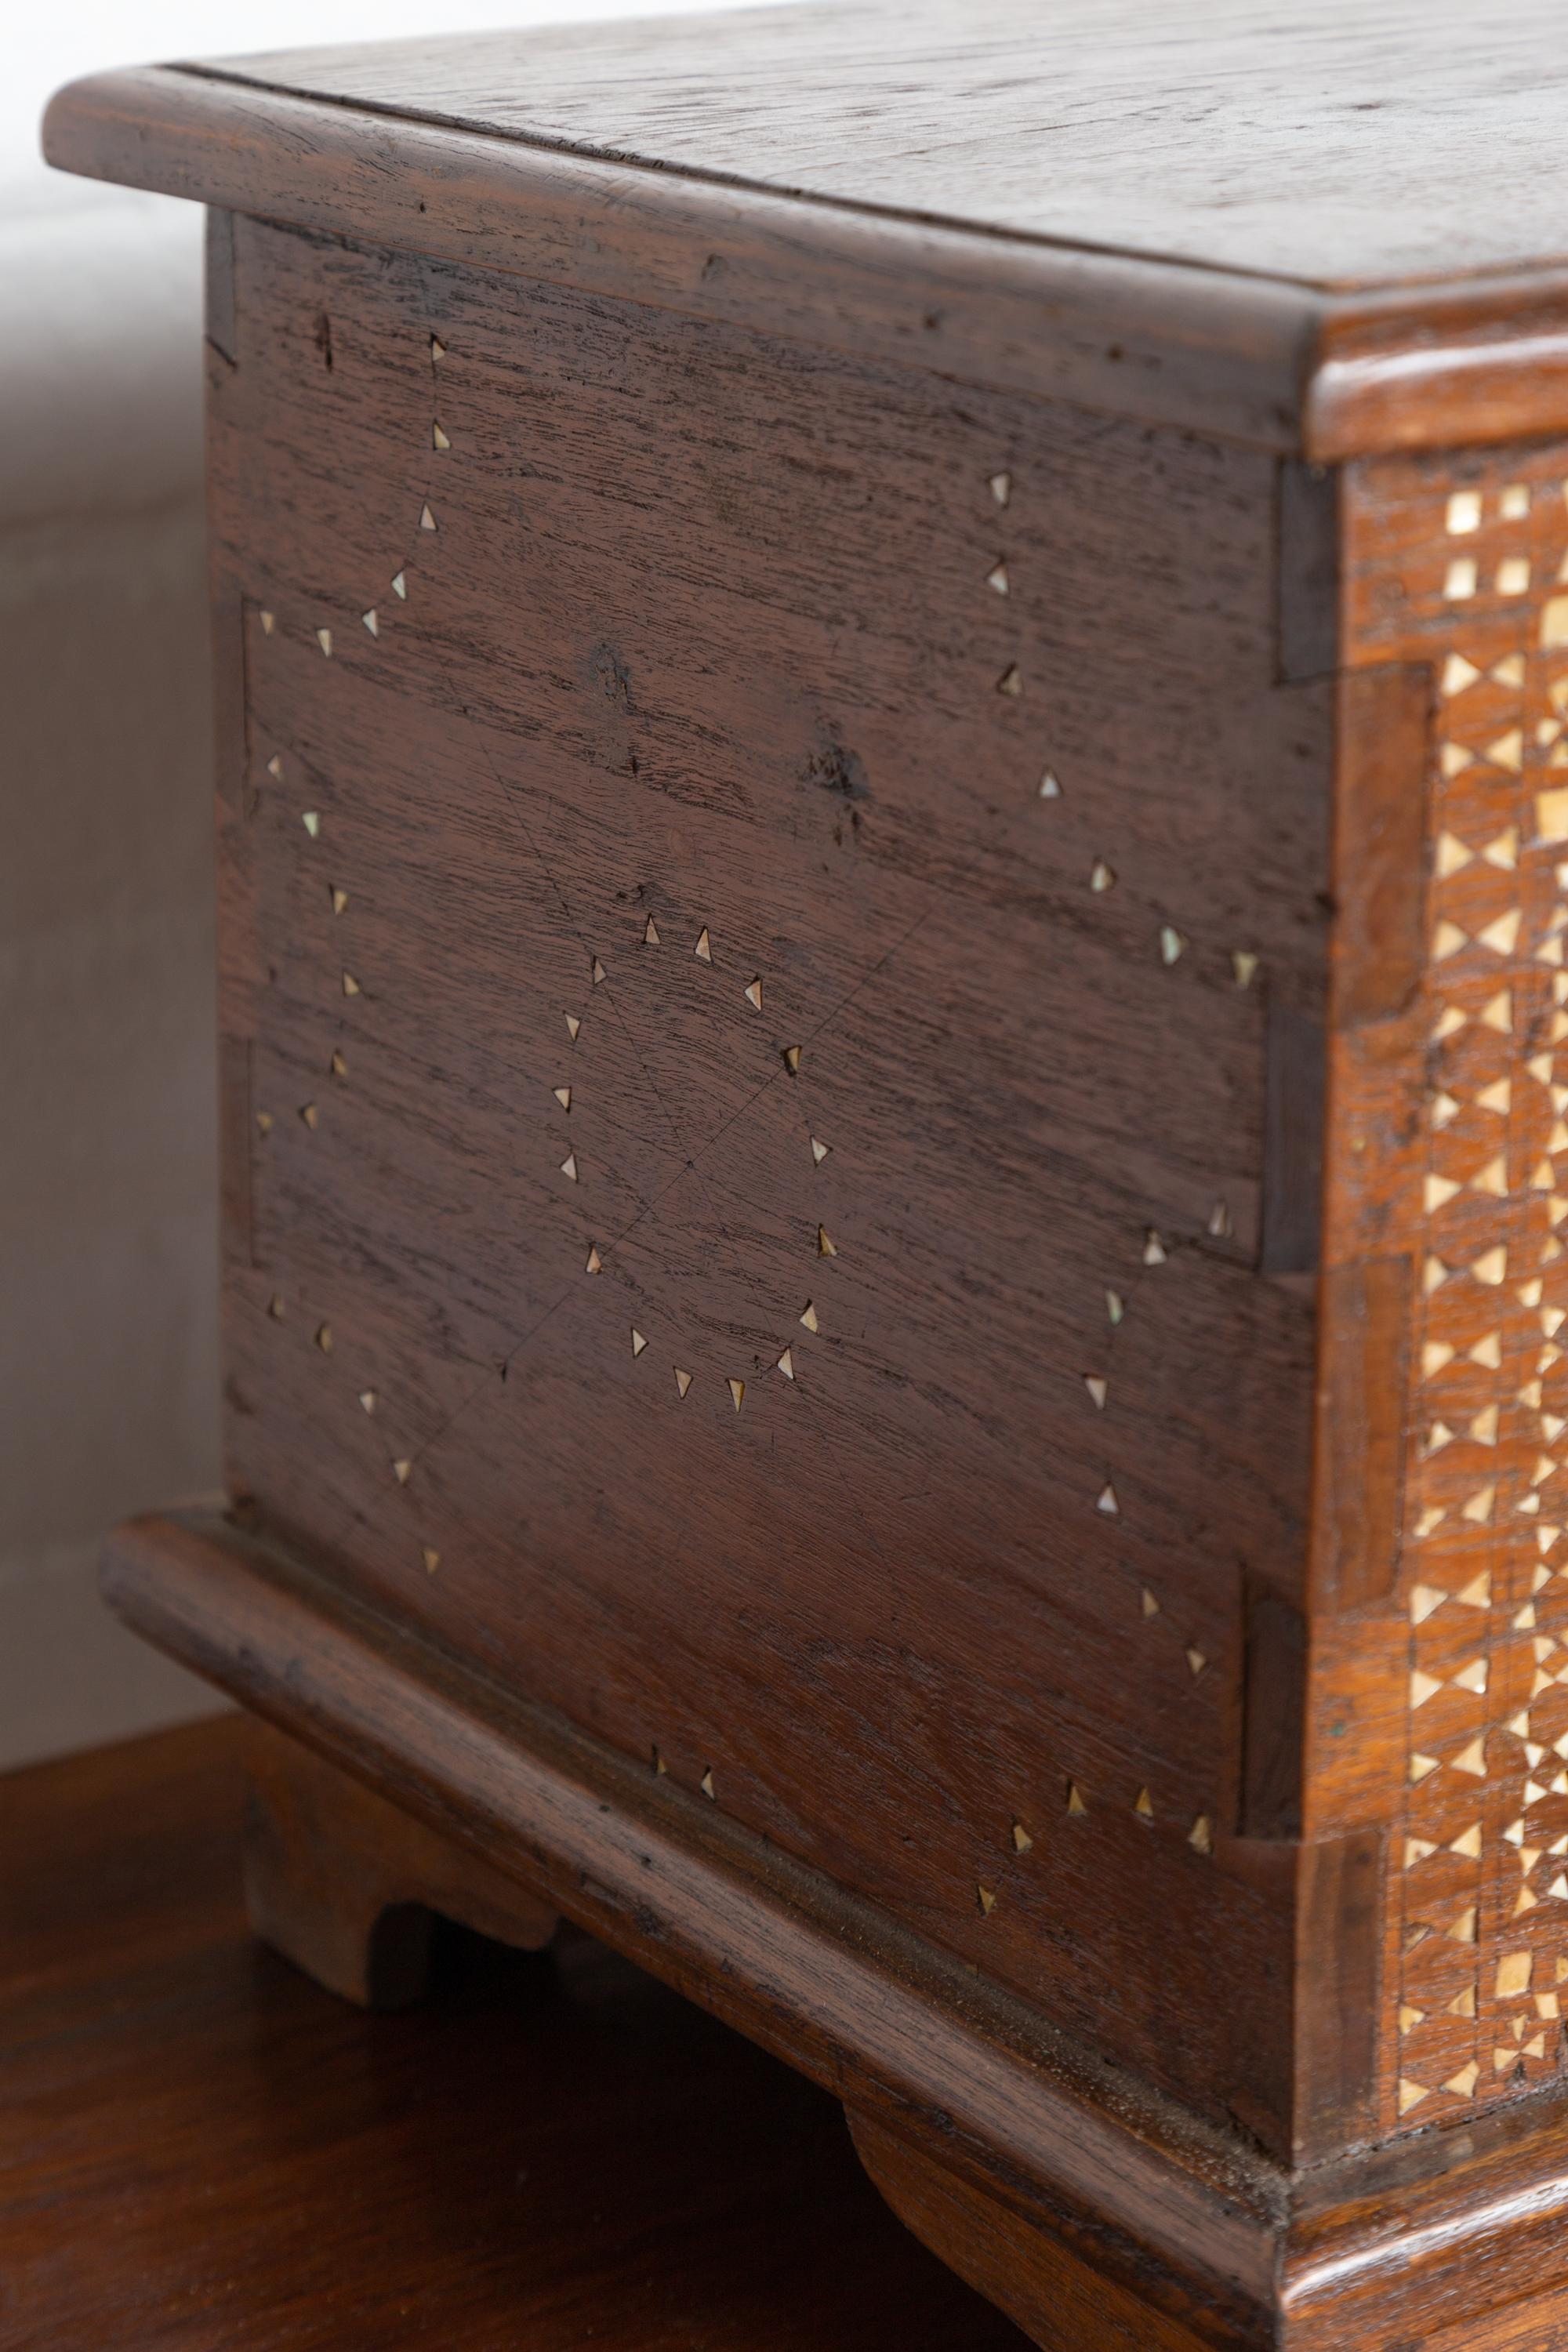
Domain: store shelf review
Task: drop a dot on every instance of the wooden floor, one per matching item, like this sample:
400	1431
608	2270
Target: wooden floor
199	2149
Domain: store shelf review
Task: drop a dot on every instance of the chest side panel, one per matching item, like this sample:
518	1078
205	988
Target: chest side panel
758	902
1441	1701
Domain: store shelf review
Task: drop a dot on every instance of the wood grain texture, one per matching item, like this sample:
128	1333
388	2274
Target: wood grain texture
1357	145
1185	346
204	2153
1485	362
890	988
925	1548
1318	376
1361	1457
1341	1894
349	1889
1036	2167
1309	509
1028	2271
1380	842
812	1970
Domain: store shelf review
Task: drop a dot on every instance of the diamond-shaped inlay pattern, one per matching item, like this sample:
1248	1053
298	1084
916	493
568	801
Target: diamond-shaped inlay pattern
1478	1862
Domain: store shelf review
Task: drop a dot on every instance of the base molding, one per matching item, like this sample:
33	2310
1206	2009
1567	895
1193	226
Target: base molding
1092	2209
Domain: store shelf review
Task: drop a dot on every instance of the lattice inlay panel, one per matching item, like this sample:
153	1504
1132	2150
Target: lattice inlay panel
1469	573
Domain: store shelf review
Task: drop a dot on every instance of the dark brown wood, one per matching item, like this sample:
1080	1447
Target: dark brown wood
349	1887
1380	863
1361	1461
1273	1680
1205	230
895	976
202	2152
1339	1988
1309	499
847	805
1036	2170
232	816
1186	346
220	315
1293	1143
895	2028
1024	2261
1265	143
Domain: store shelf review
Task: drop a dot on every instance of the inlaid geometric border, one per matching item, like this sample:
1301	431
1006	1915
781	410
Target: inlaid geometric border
1468	575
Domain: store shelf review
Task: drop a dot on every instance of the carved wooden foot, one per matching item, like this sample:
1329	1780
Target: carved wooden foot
1022	2264
347	1886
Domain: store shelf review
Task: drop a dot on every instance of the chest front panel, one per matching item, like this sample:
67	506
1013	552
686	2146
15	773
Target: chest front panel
755	908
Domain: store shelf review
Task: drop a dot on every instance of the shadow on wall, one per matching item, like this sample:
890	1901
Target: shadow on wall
108	1226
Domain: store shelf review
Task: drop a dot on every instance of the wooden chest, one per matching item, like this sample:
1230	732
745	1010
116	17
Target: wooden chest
893	811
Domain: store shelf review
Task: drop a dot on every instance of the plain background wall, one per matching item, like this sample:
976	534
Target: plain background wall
107	1234
108	1224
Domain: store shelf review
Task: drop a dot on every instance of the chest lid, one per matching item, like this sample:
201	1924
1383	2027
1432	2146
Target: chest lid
1326	234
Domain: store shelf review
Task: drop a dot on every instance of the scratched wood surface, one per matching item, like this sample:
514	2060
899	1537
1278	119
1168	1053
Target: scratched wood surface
900	1447
1440	1714
1347	144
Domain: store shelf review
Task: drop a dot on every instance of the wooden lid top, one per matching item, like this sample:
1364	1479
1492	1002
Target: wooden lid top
1203	210
1349	144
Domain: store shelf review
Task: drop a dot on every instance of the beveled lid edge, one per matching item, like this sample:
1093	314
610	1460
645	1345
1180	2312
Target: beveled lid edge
1266	362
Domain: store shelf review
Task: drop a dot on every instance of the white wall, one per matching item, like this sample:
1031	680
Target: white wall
108	1227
